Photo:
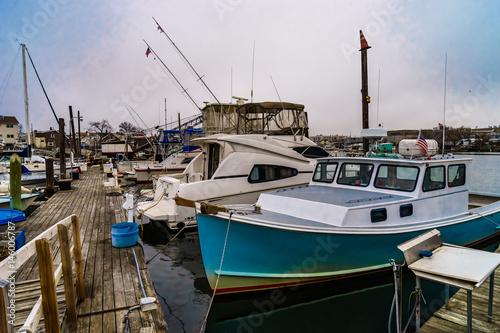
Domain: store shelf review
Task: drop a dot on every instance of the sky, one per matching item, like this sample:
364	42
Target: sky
426	57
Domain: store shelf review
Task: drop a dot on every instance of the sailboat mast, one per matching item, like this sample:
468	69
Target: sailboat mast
26	98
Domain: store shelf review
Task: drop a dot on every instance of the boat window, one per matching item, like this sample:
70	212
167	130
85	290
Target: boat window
433	178
355	174
456	175
394	177
265	173
378	215
325	172
406	210
311	151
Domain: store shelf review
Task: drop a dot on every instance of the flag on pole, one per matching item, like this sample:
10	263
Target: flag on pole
148	51
159	28
440	125
423	144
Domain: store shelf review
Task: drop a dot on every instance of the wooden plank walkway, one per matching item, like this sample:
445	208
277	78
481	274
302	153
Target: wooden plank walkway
111	280
455	318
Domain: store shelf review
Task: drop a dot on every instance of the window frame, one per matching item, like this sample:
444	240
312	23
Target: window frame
325	164
295	172
450	182
354	163
424	189
396	166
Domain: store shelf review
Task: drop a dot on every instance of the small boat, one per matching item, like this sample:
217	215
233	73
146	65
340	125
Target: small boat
347	222
175	163
27	200
11	215
232	169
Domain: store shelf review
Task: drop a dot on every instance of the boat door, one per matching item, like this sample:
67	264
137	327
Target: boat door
213	159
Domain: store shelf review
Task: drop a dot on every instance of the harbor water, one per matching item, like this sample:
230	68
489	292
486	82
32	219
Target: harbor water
351	306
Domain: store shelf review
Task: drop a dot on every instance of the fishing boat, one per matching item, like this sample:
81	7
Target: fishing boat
27	200
346	222
233	169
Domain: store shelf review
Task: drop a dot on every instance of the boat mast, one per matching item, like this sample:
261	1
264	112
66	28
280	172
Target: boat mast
364	86
26	100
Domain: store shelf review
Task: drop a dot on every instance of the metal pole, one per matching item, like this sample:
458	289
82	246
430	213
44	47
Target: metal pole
447	296
79	152
26	100
490	300
469	311
364	87
417	311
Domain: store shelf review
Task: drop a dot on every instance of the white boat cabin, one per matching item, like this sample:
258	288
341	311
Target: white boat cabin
376	192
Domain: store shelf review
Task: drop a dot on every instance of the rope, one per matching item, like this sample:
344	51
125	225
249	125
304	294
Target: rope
498	225
164	246
145	210
218	275
5	82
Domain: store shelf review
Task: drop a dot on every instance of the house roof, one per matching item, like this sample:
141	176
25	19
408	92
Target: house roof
8	120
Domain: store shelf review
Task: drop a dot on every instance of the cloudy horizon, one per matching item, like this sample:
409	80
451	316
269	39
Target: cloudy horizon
92	56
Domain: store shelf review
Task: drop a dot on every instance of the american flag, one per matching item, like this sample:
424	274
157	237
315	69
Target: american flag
159	28
423	144
148	51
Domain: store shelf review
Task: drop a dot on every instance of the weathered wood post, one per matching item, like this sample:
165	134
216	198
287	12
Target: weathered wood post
67	270
15	182
48	286
62	149
77	246
5	326
49	174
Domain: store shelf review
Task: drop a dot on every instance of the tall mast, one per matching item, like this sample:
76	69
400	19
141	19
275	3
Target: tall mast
364	86
26	100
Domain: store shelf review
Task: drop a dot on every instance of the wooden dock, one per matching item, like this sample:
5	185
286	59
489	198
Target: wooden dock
112	283
455	318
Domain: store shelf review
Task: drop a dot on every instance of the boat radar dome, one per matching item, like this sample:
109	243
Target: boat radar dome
409	148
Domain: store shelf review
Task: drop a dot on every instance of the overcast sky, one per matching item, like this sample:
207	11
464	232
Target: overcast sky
91	55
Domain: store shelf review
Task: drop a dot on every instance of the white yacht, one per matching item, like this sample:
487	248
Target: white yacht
232	169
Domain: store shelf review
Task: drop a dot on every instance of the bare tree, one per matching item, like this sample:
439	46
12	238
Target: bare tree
100	127
126	127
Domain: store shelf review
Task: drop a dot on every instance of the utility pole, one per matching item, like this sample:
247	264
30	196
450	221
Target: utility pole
79	135
364	86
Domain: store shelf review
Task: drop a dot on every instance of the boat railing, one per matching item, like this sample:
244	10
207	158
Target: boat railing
49	279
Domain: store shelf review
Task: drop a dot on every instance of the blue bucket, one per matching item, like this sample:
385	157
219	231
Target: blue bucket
124	234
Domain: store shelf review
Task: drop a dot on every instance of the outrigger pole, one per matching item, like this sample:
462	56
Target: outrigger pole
200	78
183	90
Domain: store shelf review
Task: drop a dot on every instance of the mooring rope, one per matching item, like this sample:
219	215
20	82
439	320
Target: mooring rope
498	225
218	275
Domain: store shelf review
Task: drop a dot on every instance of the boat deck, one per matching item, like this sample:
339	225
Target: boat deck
111	279
455	318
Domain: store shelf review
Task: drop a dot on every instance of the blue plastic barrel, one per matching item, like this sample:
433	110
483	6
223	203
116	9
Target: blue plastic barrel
124	234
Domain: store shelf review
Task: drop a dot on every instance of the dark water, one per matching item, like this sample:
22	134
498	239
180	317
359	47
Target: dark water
352	306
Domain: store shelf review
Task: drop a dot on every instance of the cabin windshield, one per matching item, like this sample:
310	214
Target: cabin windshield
325	172
394	177
355	174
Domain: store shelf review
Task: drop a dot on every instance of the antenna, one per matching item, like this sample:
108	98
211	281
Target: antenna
444	106
378	94
253	63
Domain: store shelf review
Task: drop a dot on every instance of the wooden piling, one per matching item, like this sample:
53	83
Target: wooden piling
15	181
62	149
49	174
